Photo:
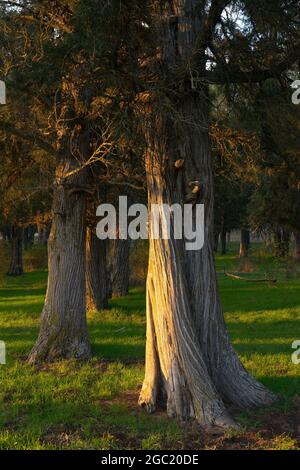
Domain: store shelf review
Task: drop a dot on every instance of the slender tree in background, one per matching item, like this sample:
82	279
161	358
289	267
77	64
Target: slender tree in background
118	267
16	264
96	272
245	242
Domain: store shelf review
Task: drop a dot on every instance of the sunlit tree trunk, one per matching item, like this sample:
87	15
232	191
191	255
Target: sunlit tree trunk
96	273
191	367
176	374
16	262
244	243
63	329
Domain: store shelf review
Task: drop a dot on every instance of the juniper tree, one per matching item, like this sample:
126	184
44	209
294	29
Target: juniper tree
166	54
191	366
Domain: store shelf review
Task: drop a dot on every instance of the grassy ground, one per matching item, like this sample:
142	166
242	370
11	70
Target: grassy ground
93	405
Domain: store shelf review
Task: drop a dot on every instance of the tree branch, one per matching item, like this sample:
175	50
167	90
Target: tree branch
233	74
28	137
212	19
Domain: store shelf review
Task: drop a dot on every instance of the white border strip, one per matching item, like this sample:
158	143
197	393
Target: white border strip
2	92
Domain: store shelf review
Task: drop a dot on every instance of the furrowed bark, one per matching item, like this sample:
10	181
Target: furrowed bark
63	330
176	375
191	367
96	273
232	381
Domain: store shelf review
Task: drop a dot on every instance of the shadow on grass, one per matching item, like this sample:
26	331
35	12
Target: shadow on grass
110	340
247	297
24	294
133	303
15	294
264	349
262	330
286	387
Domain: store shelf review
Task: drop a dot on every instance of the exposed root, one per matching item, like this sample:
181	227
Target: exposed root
147	398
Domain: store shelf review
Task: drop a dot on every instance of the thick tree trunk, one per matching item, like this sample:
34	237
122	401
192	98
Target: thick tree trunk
16	263
96	273
176	374
245	242
63	330
119	267
297	246
191	367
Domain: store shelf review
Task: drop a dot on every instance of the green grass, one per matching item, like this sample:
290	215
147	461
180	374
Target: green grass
93	405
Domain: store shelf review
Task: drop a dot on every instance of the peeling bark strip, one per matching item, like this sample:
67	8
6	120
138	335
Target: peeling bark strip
96	284
63	330
16	263
191	366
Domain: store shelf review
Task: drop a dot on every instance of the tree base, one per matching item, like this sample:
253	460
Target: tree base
219	423
49	350
15	272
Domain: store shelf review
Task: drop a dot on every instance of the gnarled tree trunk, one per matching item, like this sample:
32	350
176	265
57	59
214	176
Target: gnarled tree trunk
176	374
63	330
191	367
16	262
96	273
